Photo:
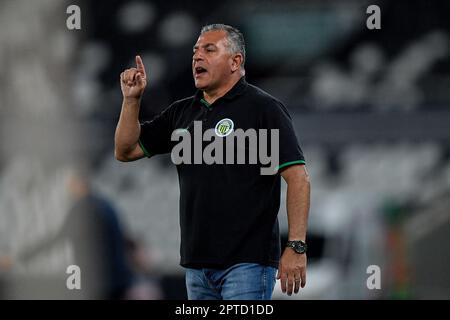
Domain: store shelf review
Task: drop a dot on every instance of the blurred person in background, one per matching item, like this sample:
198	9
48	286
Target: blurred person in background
93	229
5	268
230	243
146	284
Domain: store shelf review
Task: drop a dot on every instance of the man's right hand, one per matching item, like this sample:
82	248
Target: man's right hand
133	81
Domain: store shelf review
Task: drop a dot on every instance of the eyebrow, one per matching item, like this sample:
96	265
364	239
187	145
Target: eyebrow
204	46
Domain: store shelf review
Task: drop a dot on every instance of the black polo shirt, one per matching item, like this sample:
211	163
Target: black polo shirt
228	212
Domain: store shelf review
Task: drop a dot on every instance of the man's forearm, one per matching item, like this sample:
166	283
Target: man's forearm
298	200
128	128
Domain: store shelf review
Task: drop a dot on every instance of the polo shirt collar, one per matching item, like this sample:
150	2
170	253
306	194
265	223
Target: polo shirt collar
235	91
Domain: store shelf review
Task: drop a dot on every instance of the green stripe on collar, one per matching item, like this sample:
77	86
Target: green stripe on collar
205	103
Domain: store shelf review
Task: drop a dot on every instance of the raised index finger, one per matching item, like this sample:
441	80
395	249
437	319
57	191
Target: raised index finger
140	66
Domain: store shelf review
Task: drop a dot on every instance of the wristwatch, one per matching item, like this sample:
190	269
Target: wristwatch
299	246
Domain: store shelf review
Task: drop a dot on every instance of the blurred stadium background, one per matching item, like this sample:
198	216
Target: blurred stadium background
371	109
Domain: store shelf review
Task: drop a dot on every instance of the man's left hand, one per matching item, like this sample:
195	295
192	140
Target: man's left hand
292	271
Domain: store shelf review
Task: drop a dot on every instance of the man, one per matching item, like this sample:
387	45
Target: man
230	243
93	228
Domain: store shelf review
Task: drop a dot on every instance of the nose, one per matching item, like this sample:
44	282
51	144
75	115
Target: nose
197	56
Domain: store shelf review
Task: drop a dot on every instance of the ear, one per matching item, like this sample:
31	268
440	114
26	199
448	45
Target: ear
236	62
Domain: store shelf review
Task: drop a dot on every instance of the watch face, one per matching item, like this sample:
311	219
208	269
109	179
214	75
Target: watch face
299	248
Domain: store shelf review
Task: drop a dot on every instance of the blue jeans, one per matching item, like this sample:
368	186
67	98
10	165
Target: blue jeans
243	281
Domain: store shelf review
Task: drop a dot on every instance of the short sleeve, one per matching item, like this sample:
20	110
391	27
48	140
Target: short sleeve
276	116
156	133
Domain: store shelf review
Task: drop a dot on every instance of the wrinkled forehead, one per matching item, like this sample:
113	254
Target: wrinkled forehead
216	37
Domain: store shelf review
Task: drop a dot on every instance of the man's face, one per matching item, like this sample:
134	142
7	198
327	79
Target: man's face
211	62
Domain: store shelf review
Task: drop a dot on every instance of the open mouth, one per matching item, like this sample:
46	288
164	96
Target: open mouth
199	71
